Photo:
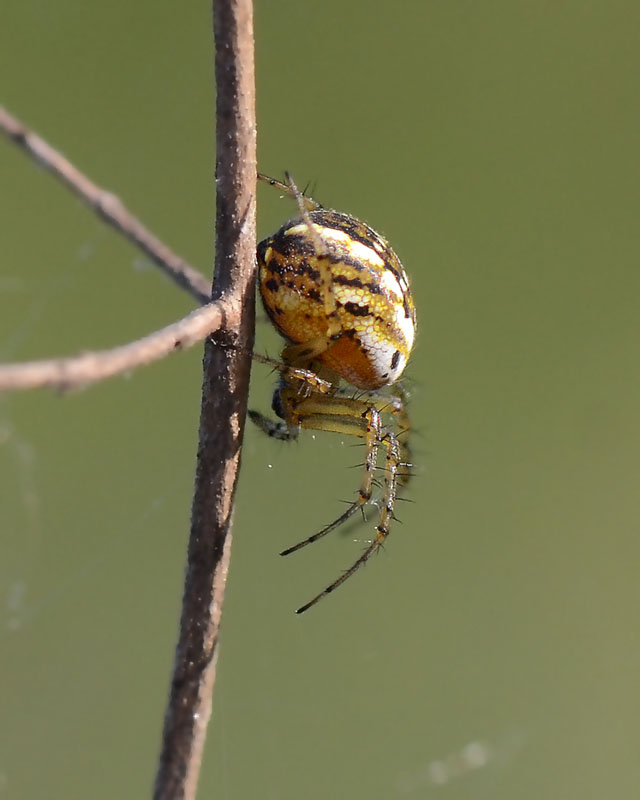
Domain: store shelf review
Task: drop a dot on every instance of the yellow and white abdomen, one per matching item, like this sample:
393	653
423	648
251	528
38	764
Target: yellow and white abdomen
373	303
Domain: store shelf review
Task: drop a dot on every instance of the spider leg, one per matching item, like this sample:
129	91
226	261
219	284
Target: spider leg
305	377
346	574
393	401
327	529
290	188
276	428
339	415
310	402
307	381
392	458
302	353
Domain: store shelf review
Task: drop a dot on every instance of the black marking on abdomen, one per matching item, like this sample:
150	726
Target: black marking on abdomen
357	283
357	310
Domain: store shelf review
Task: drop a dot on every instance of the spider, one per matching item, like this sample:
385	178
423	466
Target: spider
340	297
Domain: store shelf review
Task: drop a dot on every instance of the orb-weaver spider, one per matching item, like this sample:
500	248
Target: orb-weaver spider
339	295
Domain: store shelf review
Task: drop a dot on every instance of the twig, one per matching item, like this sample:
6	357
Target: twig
223	410
79	371
107	206
86	368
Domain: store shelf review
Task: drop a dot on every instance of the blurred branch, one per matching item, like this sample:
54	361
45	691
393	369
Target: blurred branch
107	206
223	408
79	371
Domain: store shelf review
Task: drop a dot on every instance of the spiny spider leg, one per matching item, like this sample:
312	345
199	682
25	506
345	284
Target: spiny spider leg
393	402
327	529
382	531
337	414
375	544
290	188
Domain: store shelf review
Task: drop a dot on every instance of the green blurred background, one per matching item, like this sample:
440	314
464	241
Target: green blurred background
493	650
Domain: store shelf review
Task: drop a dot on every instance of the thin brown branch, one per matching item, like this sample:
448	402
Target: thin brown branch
223	410
79	371
107	206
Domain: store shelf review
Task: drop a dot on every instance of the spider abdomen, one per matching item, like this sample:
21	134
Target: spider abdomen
369	290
